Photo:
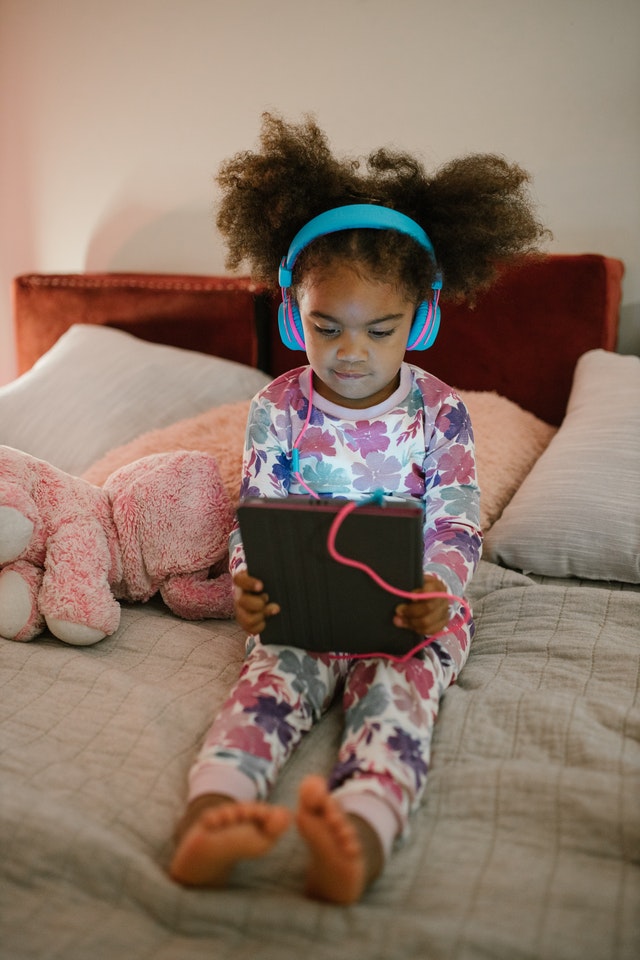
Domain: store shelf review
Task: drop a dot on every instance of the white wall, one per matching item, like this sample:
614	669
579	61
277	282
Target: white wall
115	115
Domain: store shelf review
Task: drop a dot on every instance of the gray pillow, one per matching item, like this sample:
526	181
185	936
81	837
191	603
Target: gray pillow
577	513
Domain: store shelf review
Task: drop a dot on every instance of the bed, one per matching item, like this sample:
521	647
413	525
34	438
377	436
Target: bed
528	841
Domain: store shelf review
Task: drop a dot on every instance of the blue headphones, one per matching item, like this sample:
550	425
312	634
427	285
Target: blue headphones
426	321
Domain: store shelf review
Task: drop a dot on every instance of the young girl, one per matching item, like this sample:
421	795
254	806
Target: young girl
356	419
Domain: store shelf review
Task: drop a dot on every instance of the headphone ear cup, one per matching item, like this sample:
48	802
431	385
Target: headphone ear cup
290	323
425	326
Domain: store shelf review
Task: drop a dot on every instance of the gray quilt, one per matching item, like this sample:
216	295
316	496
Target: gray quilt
527	845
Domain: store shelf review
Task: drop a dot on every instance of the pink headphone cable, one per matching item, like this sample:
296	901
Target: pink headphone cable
458	621
295	455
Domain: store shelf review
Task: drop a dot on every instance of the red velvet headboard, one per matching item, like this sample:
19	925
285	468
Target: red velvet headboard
215	315
522	339
527	333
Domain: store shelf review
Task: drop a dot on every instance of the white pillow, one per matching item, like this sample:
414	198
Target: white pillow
577	513
98	387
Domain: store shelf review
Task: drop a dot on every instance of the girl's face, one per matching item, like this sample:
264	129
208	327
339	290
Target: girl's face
356	331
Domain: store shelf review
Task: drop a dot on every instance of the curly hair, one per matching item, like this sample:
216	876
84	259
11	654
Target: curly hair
475	209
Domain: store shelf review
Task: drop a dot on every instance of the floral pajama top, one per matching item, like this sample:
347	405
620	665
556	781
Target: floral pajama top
418	444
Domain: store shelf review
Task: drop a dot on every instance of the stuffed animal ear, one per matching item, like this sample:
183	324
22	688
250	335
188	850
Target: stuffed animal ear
173	516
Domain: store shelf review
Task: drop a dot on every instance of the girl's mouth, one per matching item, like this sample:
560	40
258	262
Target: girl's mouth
348	375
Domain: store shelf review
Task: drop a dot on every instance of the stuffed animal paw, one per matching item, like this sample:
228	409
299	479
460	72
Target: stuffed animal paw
70	551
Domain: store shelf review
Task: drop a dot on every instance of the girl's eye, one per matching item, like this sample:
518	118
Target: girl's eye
331	332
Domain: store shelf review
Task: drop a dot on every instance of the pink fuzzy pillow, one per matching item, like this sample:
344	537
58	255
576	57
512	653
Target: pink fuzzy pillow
509	440
218	431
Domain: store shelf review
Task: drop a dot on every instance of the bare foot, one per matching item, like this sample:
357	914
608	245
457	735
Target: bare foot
346	855
216	834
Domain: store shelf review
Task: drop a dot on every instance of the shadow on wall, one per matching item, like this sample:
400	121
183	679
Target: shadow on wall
140	239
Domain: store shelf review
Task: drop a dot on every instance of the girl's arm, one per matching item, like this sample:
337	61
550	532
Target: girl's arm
452	535
265	464
453	538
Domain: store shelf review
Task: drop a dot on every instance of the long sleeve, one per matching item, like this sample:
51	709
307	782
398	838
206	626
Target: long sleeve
418	444
453	538
266	467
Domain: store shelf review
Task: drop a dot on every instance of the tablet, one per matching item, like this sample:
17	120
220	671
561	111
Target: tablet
326	606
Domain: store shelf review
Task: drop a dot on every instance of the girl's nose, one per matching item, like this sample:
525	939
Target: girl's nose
352	348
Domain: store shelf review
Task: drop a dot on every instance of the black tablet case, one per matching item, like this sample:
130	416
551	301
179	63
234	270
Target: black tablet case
326	606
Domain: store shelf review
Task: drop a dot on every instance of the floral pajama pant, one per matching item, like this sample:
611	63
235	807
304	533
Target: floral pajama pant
389	708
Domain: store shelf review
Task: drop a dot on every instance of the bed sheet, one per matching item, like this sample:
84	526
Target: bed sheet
527	845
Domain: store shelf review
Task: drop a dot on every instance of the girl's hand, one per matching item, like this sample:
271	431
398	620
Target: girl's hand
252	607
426	617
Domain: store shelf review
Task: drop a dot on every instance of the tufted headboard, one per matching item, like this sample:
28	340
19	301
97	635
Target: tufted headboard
522	339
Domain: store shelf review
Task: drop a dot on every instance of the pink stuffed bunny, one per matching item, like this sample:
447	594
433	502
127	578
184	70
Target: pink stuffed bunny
70	550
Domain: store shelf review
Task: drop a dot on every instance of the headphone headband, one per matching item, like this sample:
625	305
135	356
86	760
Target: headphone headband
357	216
354	216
